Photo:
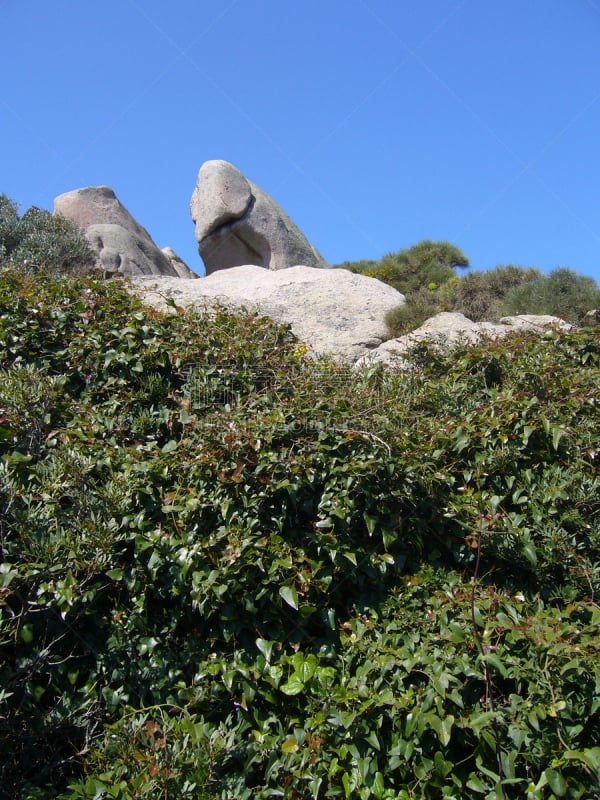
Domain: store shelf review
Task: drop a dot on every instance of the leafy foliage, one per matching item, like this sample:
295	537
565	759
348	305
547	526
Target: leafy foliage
425	274
41	241
229	571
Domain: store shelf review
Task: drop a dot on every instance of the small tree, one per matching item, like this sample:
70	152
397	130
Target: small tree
427	264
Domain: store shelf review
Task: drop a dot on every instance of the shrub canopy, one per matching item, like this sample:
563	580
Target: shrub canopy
41	241
562	293
229	571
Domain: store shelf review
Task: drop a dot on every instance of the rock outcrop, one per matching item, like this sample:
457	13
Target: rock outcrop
332	311
449	329
121	244
237	223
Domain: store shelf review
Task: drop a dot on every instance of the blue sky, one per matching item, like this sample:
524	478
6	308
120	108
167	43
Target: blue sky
374	123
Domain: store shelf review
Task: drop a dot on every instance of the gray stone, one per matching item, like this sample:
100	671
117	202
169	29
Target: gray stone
449	329
122	245
332	311
222	194
178	264
536	322
237	224
127	253
96	205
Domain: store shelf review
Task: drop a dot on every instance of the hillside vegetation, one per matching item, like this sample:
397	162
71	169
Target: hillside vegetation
228	571
425	274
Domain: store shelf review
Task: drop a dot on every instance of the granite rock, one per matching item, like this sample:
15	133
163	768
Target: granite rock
121	244
237	224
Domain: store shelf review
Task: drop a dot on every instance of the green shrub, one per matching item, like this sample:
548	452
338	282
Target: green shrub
562	293
479	295
419	307
229	571
416	267
9	226
41	241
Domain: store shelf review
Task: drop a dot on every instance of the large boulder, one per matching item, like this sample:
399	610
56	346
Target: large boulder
332	311
120	243
237	223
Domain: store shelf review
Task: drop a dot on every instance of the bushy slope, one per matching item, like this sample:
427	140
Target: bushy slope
231	572
425	273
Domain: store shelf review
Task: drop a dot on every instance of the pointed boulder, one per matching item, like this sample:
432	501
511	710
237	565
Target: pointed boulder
237	223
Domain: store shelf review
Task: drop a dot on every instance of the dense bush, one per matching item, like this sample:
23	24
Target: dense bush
419	307
228	571
562	293
9	226
41	241
479	295
424	265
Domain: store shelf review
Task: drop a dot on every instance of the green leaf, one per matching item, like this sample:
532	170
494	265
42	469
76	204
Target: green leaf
7	574
442	727
455	633
557	434
556	782
477	785
527	431
290	595
373	740
495	662
378	786
292	687
530	553
304	667
27	633
290	745
147	645
265	648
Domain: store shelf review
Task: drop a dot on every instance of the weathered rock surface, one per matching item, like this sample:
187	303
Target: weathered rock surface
448	329
237	223
121	244
330	310
178	264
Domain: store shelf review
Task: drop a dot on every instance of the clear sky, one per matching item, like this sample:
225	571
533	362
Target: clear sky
373	123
